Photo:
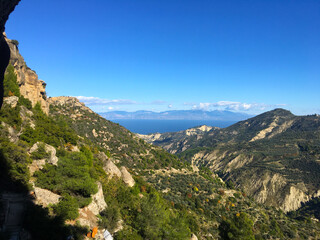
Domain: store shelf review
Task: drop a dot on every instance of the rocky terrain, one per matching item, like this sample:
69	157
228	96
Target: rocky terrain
273	157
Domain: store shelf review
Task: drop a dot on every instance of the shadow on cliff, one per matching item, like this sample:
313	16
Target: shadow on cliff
4	60
37	221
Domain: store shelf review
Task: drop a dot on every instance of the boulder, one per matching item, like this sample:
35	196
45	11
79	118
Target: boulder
111	169
193	237
45	197
126	177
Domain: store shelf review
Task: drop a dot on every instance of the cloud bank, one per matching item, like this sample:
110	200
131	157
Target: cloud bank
234	106
100	101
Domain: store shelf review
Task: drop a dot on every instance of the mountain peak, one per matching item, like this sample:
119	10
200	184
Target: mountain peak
281	112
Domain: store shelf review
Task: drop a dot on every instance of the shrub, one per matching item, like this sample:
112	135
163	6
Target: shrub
40	153
10	84
110	217
239	227
67	208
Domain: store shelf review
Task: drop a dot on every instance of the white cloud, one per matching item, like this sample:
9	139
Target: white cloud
170	106
234	106
100	101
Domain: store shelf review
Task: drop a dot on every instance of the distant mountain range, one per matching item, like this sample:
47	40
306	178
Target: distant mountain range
178	115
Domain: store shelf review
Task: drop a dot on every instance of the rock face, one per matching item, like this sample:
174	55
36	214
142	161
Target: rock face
126	177
30	85
70	102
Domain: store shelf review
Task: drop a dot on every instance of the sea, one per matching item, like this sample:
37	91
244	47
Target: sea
143	126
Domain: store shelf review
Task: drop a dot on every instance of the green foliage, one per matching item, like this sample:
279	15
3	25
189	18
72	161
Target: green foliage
40	153
11	116
72	176
10	84
25	102
239	227
109	217
14	165
67	208
41	225
47	130
15	42
149	217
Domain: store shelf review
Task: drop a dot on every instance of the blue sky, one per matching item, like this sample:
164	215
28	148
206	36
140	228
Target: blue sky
248	56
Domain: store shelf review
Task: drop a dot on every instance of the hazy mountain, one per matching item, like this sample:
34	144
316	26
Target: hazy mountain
178	115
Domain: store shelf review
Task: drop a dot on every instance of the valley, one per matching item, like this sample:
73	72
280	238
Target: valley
78	172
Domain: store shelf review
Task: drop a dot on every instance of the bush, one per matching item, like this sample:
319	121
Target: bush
10	84
25	102
67	208
15	42
239	227
71	176
40	153
110	217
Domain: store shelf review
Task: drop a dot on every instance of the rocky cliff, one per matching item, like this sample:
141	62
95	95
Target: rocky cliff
30	85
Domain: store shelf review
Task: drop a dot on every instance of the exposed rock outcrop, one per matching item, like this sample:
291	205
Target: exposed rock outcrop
111	169
71	102
11	101
30	85
126	177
